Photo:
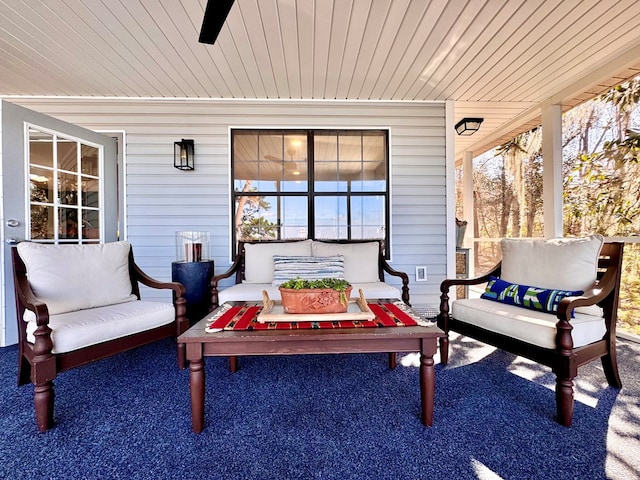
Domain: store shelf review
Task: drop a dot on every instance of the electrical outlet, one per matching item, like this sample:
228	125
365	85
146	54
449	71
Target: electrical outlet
421	274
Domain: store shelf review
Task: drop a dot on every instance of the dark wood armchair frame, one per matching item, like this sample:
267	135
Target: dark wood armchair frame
564	360
38	365
238	266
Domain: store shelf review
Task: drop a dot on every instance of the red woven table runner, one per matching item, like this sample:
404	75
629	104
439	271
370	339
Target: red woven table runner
245	317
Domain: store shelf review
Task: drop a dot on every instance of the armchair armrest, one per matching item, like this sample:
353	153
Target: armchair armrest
148	281
444	315
600	293
233	269
403	276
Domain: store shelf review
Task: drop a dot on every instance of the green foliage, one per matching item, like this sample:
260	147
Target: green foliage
337	284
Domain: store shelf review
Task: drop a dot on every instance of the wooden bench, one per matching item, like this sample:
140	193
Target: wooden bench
365	258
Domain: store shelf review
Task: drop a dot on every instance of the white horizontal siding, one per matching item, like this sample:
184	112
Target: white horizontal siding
161	200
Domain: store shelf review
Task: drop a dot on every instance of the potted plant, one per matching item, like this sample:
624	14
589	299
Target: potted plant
325	295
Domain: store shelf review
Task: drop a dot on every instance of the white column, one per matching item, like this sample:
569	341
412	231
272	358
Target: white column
552	170
468	207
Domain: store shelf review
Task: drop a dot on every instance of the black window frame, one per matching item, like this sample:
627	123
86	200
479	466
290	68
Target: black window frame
311	194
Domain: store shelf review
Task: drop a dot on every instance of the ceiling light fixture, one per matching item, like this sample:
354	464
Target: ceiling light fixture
468	126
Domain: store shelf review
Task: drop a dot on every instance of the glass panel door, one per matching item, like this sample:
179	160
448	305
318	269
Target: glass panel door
64	188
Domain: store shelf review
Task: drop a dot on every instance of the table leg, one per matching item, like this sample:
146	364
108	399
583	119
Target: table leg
427	380
196	388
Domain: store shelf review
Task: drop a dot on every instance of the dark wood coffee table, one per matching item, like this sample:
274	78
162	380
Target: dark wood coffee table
200	344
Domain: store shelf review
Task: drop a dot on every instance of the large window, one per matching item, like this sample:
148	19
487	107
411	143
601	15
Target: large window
323	184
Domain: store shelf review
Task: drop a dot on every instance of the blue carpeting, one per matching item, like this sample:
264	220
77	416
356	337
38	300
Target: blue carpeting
322	417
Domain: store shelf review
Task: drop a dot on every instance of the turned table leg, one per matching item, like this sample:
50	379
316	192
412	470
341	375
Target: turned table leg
427	380
196	388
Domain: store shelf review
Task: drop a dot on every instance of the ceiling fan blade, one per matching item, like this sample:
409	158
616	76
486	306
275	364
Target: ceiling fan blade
215	15
272	158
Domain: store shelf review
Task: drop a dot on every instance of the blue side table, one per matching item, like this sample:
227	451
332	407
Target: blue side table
196	277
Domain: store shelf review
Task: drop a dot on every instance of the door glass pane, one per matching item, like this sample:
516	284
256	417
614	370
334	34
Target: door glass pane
90	192
67	188
68	223
40	148
42	223
90	160
67	155
41	185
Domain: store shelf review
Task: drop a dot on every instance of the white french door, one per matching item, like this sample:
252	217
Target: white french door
59	185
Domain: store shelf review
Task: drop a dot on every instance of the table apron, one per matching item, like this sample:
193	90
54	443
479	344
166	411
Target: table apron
310	346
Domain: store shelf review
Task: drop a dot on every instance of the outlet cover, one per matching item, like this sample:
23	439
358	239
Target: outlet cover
421	274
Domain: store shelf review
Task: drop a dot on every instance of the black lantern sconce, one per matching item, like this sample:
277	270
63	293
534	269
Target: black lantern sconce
183	155
468	126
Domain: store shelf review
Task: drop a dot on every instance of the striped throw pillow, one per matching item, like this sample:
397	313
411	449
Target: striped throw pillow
307	268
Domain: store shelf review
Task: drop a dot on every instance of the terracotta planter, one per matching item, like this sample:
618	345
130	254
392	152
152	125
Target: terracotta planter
314	300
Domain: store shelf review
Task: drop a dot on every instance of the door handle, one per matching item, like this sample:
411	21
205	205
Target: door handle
12	241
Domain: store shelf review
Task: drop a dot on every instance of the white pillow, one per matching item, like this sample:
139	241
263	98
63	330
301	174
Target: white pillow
558	264
307	268
360	259
258	265
74	277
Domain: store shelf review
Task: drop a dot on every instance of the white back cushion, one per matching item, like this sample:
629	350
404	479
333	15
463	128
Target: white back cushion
360	259
76	277
559	263
259	258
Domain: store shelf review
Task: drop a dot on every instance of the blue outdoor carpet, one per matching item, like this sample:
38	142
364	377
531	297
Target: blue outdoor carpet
322	417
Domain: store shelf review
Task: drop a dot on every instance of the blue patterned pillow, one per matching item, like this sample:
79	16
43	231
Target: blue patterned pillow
533	298
307	268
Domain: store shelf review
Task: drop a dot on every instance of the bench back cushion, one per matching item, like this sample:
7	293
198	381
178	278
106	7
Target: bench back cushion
259	258
75	277
360	259
558	264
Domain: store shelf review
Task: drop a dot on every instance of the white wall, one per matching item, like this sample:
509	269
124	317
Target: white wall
161	200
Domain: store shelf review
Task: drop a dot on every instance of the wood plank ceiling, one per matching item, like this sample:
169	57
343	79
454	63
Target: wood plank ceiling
496	59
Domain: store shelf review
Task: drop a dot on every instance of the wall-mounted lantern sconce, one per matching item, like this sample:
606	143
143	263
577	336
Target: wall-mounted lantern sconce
183	155
468	126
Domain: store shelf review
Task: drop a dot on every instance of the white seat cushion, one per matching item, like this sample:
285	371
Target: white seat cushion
79	329
252	292
537	328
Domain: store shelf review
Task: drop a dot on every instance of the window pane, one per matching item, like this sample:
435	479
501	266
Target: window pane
67	155
295	221
327	178
331	217
255	218
350	146
368	217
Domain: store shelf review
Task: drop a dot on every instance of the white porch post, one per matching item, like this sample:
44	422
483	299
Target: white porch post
468	209
552	170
